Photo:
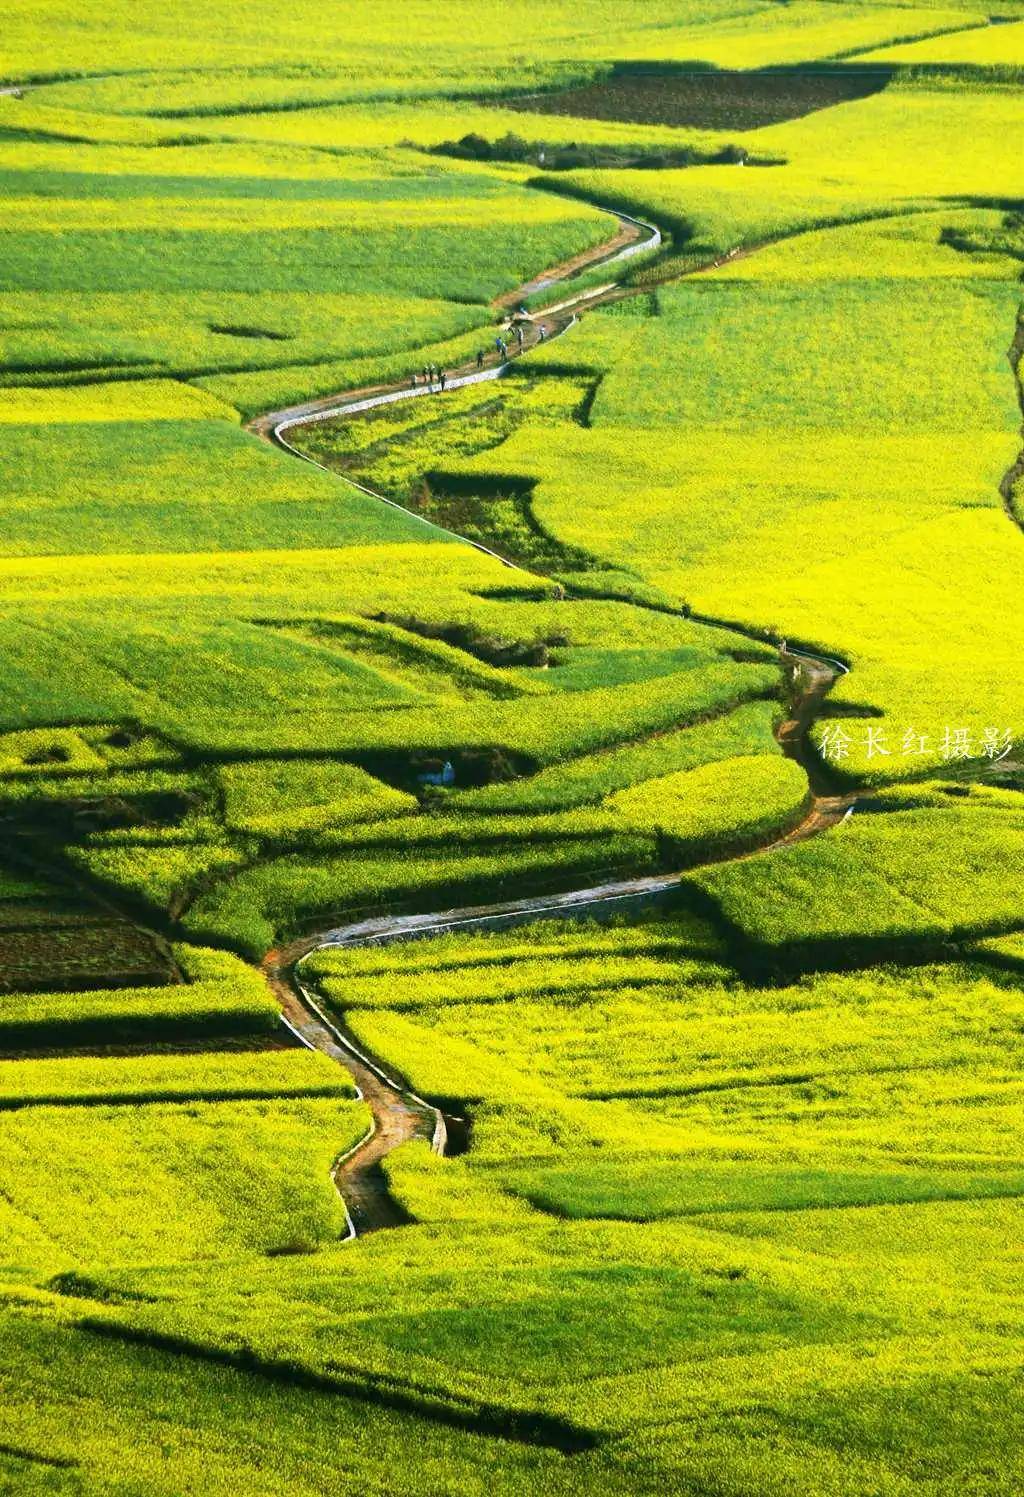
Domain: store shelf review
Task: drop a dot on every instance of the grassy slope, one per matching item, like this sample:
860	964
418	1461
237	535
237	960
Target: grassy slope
709	1204
653	1238
890	443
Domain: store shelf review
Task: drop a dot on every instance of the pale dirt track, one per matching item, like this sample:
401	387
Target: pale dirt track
398	1115
628	240
397	1118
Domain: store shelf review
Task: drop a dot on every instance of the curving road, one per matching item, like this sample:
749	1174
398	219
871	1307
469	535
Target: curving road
398	1114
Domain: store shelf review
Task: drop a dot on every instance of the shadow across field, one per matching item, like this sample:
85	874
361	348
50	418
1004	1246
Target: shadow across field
519	1426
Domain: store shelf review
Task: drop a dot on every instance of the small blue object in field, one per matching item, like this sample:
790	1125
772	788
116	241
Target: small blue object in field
445	776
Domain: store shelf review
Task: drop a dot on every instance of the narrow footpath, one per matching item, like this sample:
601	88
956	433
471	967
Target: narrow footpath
398	1114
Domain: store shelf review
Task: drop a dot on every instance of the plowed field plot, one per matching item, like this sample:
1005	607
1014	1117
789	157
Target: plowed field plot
46	952
53	943
706	100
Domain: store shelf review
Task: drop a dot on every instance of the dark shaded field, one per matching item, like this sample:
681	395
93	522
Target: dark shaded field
705	100
56	950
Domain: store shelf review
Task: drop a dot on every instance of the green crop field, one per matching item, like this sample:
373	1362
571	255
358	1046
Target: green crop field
511	940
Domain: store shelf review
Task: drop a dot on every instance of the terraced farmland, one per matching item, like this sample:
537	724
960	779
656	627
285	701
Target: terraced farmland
511	762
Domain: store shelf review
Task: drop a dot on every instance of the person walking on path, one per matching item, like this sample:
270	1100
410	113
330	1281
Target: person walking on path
542	333
443	379
426	374
519	335
479	358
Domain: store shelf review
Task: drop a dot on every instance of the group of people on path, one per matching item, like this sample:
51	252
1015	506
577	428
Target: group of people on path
501	343
431	376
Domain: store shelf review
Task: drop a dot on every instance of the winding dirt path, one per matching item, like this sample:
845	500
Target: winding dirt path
399	1115
632	237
